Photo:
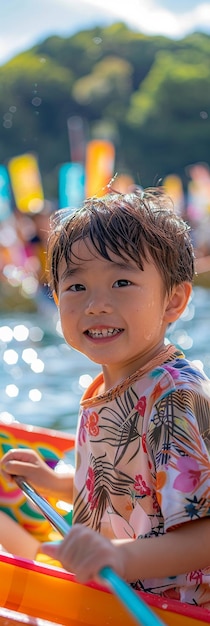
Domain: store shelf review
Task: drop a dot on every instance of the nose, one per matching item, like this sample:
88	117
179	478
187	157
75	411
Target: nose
99	302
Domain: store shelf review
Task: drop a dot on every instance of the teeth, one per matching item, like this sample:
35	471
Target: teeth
105	332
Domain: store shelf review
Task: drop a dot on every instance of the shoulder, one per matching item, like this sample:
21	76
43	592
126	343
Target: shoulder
181	374
178	387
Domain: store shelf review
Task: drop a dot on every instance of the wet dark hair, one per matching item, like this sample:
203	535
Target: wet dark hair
139	225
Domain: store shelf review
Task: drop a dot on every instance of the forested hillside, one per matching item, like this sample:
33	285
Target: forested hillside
149	95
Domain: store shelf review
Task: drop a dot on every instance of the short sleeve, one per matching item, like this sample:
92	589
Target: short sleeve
180	458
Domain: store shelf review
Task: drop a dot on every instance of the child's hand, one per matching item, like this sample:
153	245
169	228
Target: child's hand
85	552
27	463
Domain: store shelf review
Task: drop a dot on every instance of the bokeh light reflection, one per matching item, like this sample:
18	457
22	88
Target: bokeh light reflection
30	286
36	333
35	395
10	357
29	355
85	380
189	312
182	339
12	391
6	418
37	366
21	332
13	274
6	334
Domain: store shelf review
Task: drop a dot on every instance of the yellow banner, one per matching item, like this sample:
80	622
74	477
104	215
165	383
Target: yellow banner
173	187
26	183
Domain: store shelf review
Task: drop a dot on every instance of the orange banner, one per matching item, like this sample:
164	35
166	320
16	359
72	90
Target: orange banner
100	156
26	183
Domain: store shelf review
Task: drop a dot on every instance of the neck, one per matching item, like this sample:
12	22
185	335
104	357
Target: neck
114	376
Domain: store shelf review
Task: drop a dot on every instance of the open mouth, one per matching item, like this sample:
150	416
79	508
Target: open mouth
99	333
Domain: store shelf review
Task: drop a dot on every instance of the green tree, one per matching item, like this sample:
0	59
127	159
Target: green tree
150	95
170	114
34	105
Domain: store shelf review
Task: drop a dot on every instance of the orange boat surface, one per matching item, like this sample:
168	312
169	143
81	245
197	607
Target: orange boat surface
49	593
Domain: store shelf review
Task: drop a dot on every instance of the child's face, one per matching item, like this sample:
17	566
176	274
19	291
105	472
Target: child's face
112	311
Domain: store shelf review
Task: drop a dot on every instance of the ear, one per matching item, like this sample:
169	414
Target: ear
55	297
177	301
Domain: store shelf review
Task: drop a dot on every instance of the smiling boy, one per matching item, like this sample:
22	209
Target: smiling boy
121	269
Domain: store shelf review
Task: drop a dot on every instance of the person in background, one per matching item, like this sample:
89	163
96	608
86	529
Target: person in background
121	269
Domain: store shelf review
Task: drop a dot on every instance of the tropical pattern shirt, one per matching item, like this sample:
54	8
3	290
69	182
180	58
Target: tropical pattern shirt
142	461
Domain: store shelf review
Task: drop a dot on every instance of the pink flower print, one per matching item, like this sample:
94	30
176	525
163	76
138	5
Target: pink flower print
197	576
90	484
143	440
189	476
173	371
82	429
141	405
120	527
140	486
137	523
92	424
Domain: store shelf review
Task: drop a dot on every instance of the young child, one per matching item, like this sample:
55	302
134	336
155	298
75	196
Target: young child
121	269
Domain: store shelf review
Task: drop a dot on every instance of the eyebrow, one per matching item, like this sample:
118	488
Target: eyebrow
121	265
69	272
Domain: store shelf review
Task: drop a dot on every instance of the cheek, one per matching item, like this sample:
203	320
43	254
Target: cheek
67	309
68	321
151	319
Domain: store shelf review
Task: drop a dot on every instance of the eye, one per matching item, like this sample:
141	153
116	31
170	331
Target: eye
76	287
122	282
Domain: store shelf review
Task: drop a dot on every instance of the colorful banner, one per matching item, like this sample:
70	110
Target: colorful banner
71	184
198	201
100	157
5	194
173	187
26	183
124	183
77	140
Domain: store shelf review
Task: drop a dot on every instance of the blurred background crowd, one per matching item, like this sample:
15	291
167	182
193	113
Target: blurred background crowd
78	110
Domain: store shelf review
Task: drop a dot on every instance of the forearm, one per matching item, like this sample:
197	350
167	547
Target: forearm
177	552
85	552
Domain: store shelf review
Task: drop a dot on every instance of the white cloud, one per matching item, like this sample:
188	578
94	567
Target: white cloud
149	17
28	23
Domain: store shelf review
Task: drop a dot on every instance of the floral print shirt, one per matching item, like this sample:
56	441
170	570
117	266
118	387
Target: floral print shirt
142	465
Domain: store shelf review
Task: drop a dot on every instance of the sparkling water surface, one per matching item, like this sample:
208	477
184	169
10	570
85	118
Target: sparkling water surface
42	379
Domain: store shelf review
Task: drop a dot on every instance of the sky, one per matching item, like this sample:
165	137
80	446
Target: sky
23	23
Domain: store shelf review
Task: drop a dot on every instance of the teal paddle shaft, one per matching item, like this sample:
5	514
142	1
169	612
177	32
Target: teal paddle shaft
140	611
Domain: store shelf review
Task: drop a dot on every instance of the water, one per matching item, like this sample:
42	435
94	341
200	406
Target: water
42	379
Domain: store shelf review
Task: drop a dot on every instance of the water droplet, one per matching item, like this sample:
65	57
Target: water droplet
204	115
36	101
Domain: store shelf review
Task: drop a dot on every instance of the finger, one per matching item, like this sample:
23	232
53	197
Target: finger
7	476
14	467
21	454
51	548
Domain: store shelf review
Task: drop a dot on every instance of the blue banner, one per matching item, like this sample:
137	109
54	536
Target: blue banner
71	185
5	194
